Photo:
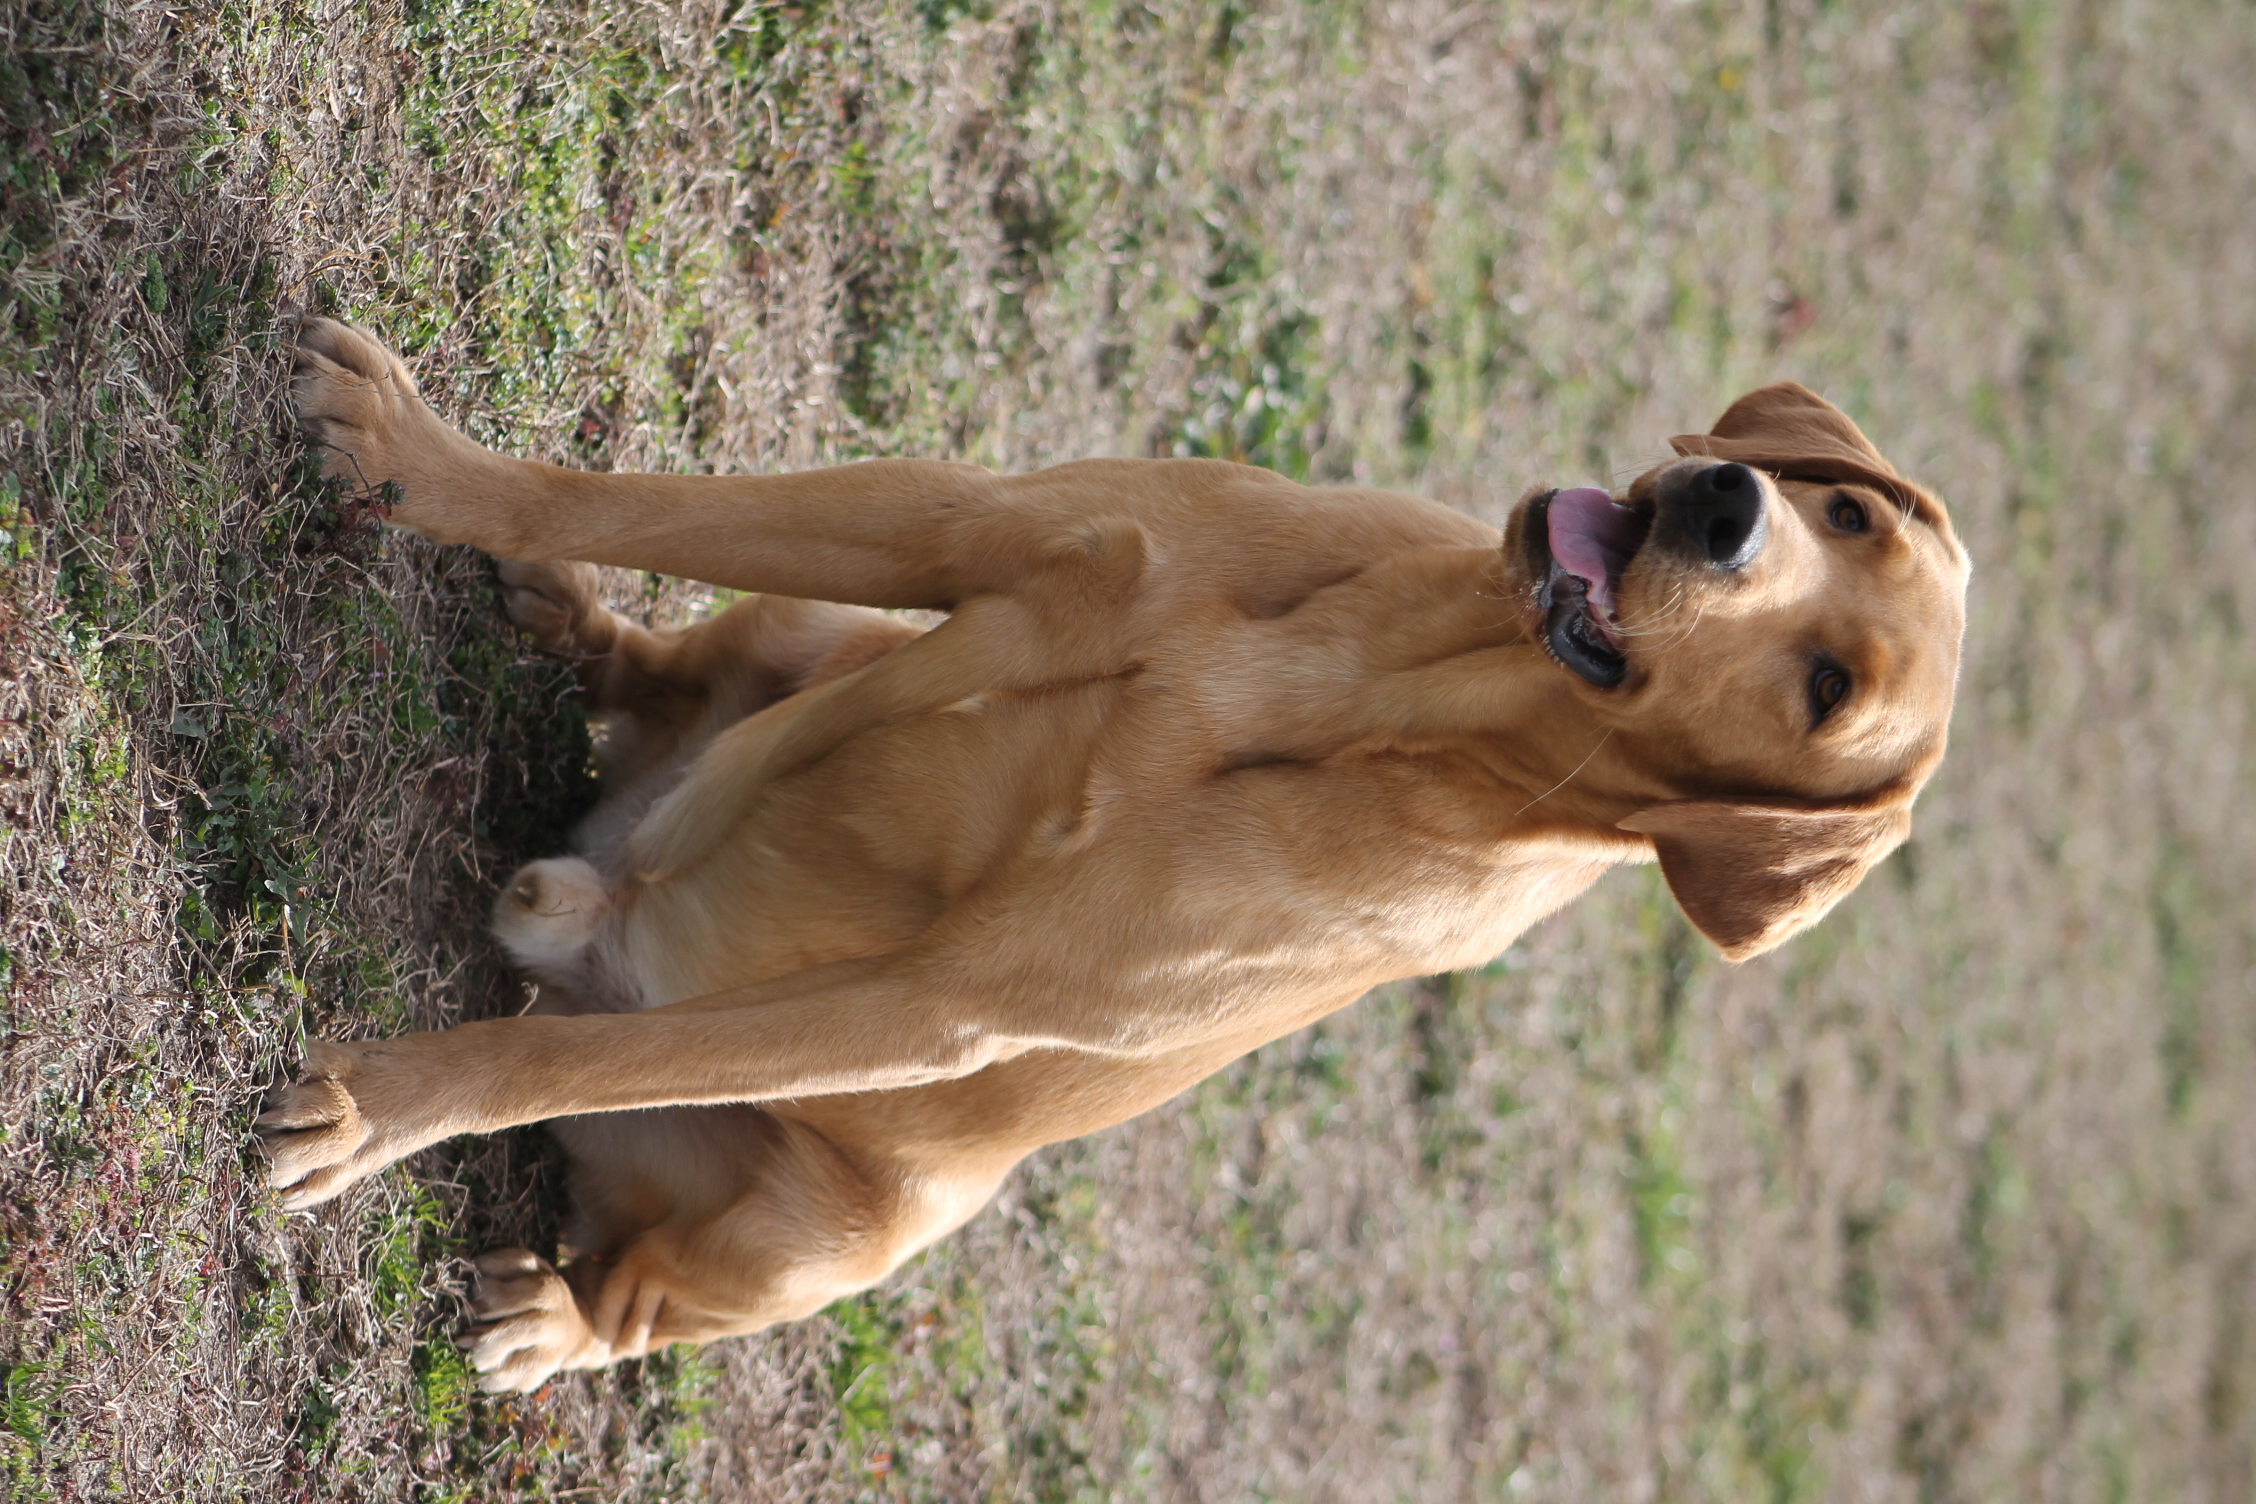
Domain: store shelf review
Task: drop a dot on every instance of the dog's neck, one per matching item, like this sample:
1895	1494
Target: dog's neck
1429	654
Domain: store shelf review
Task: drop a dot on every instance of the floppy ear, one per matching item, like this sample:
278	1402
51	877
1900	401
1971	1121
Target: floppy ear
1753	876
1794	433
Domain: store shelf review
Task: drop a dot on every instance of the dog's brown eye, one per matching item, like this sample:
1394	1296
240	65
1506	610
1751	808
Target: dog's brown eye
1847	514
1828	687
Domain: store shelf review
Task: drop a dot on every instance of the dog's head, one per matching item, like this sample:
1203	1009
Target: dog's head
1769	627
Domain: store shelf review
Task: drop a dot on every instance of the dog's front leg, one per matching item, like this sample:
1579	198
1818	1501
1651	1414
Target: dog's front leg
891	533
855	1026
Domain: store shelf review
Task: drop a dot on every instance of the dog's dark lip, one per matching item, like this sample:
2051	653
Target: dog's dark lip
1535	538
1570	632
1573	636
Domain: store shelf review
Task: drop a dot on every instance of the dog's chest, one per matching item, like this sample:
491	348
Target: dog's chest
1201	780
1222	749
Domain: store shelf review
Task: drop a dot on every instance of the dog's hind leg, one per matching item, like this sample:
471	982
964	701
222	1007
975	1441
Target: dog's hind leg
660	695
698	1223
664	693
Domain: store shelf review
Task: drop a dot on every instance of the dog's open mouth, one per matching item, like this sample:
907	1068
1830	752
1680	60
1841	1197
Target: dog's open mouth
1582	542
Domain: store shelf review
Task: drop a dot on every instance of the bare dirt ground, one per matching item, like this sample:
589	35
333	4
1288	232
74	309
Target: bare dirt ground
1954	1199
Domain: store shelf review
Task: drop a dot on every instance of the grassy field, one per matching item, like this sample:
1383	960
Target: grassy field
1953	1199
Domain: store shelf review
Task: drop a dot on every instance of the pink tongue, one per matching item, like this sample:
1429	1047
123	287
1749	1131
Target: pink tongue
1593	538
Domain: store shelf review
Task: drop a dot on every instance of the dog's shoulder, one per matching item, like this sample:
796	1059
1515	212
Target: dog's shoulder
1192	497
1253	535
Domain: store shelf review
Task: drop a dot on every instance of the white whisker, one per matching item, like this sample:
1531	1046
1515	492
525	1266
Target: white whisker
1562	783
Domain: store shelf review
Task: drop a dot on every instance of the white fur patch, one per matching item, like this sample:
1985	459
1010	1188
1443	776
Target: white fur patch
549	911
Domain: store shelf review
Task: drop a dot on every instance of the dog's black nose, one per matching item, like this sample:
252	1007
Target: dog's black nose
1723	511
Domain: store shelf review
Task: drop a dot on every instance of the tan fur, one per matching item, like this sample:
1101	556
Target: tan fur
1199	755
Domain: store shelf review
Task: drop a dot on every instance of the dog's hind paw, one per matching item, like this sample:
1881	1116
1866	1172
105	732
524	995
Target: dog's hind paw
549	912
557	604
528	1323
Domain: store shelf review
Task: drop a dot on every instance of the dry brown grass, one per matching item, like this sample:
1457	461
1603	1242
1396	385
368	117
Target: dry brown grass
1952	1200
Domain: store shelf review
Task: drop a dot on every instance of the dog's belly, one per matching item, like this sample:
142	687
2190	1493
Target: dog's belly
860	853
1041	809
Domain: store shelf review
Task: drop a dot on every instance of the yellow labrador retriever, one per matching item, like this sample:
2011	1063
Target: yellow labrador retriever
869	913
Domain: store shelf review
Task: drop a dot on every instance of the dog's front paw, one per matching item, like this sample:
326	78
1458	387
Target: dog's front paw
356	399
317	1138
528	1323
